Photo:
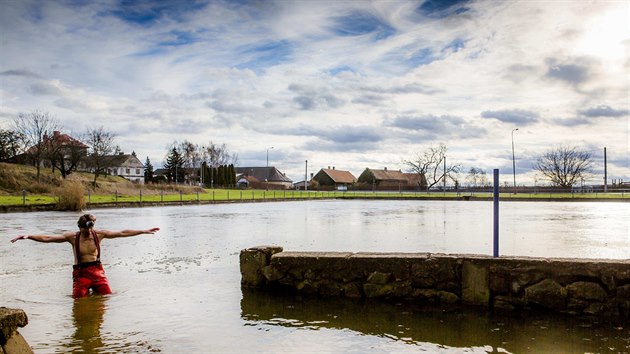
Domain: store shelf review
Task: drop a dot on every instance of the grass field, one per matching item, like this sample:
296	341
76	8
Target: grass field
221	195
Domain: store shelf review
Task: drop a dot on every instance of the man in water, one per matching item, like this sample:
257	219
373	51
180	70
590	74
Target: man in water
88	272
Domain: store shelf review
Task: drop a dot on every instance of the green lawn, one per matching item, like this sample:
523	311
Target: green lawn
247	195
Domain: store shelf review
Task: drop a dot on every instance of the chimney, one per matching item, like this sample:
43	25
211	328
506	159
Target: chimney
385	168
329	167
333	167
56	133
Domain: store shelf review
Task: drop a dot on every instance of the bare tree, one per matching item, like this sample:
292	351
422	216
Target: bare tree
11	144
477	177
34	127
430	163
564	165
64	153
216	155
102	149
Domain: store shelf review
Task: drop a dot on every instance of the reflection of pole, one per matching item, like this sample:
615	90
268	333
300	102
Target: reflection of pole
444	176
605	173
306	175
495	249
513	162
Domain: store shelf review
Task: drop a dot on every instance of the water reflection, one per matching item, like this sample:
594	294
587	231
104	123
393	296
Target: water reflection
87	315
426	327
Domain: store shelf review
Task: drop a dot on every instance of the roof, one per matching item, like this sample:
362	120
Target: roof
61	139
339	176
269	174
125	160
65	139
388	175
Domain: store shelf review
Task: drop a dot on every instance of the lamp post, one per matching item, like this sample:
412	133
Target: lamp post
513	161
268	155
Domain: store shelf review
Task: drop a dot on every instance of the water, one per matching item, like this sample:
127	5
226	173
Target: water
179	291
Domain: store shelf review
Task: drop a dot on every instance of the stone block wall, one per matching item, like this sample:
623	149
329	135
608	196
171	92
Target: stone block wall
576	286
11	341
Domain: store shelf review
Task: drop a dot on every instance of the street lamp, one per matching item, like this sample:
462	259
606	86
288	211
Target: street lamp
513	161
268	155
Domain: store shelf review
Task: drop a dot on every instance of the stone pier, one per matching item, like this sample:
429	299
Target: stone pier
11	341
573	286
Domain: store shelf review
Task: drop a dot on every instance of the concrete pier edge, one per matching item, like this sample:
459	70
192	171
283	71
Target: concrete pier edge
592	287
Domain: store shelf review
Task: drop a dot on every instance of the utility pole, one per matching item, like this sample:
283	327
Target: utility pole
605	172
513	161
306	175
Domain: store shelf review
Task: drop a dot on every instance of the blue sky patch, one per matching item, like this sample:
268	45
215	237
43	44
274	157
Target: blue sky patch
361	23
146	13
442	8
265	55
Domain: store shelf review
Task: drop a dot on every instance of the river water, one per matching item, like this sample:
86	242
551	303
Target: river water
178	291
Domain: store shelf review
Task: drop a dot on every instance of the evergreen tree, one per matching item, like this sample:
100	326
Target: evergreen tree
221	176
232	175
174	164
148	171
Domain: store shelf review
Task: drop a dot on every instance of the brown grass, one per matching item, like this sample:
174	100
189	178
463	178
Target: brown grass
15	178
71	195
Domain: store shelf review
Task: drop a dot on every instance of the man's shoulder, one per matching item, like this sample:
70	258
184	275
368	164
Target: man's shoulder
69	235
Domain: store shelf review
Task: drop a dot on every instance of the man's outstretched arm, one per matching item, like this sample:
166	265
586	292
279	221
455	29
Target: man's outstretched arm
127	233
44	238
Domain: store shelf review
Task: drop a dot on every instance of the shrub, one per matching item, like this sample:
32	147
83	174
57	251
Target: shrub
70	196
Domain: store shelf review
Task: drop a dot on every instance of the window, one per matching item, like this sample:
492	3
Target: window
127	171
137	171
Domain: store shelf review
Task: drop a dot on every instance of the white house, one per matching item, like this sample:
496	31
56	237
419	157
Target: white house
127	166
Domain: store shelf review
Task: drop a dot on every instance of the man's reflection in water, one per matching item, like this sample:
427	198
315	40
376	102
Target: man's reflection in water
88	317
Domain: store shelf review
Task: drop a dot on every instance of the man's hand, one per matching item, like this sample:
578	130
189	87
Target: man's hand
152	230
21	237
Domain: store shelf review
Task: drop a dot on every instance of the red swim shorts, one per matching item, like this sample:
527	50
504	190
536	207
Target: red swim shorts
88	276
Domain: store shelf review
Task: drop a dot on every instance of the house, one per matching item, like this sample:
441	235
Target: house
389	180
126	166
59	147
328	178
262	177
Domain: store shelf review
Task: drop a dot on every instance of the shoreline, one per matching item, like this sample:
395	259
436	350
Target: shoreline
5	209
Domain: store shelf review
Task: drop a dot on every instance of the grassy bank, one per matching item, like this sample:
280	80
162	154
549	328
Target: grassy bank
19	187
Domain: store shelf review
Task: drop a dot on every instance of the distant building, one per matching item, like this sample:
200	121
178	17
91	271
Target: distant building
63	145
328	178
126	166
391	180
262	177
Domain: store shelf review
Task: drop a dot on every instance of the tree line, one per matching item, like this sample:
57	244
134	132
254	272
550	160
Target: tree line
210	164
562	165
33	135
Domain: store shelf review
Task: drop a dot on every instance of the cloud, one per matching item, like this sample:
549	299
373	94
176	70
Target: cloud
574	71
429	127
22	73
604	111
45	89
514	116
311	98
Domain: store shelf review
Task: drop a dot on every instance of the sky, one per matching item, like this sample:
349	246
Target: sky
349	84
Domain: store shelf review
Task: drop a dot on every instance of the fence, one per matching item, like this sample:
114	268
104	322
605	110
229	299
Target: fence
235	195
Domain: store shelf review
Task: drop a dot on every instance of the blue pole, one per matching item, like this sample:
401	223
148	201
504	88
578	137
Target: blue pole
495	198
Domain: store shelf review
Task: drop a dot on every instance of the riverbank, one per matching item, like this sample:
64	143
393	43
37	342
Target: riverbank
42	203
